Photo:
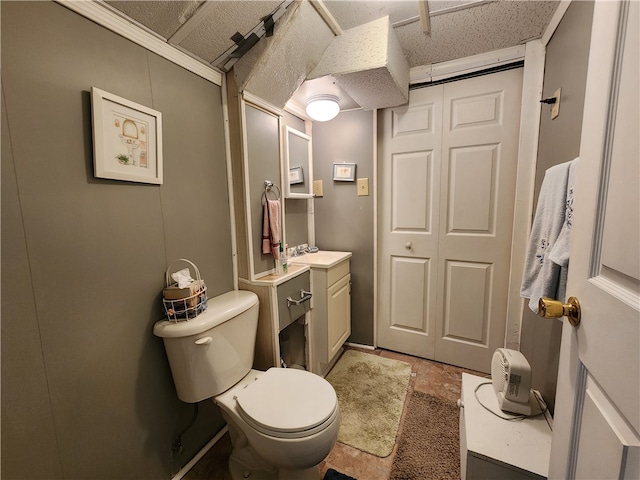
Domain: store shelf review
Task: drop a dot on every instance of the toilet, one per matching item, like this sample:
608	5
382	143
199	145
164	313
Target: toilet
282	422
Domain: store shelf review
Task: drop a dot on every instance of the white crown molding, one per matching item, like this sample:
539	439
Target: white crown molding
297	110
461	66
104	16
259	102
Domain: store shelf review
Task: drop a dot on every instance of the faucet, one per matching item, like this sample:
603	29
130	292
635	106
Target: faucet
298	250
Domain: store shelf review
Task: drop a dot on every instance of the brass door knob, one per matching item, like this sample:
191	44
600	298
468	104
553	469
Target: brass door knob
550	308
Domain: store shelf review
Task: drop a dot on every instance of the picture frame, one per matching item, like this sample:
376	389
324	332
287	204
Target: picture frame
344	172
296	175
127	139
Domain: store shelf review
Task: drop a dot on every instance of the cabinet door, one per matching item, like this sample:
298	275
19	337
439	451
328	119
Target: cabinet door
339	314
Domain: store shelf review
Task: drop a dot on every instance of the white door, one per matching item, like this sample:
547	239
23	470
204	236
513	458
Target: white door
597	417
447	173
409	166
481	125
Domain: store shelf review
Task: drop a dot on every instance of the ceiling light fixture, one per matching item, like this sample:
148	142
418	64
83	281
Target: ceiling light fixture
323	107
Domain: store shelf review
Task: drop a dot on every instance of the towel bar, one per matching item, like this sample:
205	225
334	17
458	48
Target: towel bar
268	185
304	296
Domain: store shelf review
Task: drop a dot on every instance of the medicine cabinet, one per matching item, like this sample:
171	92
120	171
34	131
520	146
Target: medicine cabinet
298	165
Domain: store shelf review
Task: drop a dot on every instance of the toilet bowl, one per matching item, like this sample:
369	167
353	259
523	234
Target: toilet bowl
282	422
282	418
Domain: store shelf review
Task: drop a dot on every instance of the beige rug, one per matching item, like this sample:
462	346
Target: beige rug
429	444
371	393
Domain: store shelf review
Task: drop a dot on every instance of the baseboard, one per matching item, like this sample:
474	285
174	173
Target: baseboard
184	470
358	345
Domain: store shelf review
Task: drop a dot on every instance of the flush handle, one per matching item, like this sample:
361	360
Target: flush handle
550	308
204	341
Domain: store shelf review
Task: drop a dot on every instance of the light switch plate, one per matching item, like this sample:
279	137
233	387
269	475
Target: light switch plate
363	187
555	109
317	188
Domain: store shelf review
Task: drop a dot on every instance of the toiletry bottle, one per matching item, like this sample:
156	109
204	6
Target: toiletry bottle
279	261
285	259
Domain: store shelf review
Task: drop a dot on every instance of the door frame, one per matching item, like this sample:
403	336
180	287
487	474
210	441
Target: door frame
533	77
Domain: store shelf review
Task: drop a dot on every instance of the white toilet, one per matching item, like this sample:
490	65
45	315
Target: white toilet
282	422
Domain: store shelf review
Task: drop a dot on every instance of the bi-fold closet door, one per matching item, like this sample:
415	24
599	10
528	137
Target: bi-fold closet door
447	172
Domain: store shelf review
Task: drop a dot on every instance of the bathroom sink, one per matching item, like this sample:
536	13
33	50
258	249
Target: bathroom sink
320	259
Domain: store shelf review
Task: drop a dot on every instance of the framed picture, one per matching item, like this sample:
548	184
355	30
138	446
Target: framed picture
296	175
344	172
127	139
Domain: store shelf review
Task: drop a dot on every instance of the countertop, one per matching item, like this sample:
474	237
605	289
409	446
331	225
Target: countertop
320	259
276	279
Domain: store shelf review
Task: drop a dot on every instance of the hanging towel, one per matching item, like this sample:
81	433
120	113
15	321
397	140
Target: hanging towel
271	228
543	277
559	252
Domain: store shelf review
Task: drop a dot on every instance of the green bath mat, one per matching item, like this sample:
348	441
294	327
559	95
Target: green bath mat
371	393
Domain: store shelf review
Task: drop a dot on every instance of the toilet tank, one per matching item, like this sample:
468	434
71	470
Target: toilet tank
210	353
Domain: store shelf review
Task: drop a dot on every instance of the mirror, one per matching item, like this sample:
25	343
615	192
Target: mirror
298	168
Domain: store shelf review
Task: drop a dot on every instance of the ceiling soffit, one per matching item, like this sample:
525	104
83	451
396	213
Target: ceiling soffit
275	67
368	63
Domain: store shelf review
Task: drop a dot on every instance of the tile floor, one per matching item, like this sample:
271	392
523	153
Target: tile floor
427	376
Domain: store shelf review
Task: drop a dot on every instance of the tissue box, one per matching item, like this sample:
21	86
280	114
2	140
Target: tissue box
186	302
173	292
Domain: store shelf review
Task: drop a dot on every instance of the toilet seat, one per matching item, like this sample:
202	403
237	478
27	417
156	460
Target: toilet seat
288	403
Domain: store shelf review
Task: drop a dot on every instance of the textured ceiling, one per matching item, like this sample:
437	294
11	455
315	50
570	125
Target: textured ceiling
213	35
164	18
487	27
458	29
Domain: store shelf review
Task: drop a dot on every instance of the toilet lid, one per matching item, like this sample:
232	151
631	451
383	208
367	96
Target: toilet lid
287	400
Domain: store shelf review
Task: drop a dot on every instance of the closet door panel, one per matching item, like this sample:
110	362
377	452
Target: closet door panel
472	190
410	288
409	203
467	301
479	153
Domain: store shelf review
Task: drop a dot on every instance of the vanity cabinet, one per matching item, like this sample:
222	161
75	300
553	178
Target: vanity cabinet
283	318
330	306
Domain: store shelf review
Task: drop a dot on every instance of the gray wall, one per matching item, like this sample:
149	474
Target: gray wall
566	67
343	220
86	387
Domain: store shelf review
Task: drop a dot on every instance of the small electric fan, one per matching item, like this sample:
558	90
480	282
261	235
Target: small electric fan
511	379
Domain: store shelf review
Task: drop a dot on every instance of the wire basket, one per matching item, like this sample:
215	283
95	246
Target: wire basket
182	304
